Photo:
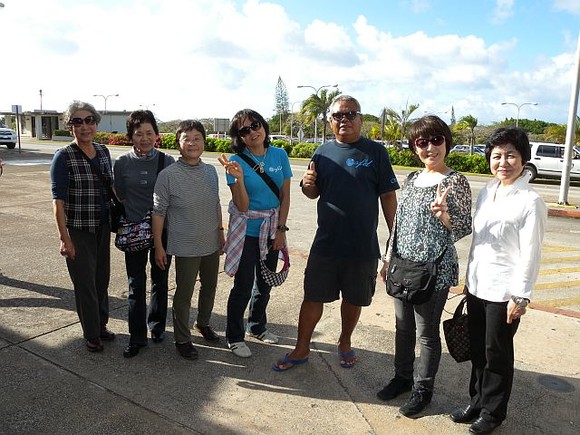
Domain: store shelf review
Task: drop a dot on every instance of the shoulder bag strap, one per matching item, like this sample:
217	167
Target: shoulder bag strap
160	162
262	175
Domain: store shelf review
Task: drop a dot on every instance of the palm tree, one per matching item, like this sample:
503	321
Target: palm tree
402	120
316	105
468	123
557	132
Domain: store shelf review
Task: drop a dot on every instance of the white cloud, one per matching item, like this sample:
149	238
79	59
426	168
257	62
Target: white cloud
568	6
210	58
503	10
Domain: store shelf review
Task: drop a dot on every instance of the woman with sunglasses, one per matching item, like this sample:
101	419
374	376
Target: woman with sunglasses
257	229
433	212
81	177
135	174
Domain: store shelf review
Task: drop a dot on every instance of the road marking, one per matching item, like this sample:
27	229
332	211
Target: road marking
559	302
553	285
559	270
561	259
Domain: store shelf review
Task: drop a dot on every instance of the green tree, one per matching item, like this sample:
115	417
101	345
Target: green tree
402	120
282	101
469	123
317	106
453	121
557	132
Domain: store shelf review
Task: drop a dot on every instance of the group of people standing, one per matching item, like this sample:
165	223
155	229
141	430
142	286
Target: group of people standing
349	176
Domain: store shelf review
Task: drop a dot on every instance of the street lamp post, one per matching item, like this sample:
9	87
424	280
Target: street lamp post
519	106
106	97
316	90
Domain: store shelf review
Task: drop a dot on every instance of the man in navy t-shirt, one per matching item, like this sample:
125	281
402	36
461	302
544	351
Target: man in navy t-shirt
349	176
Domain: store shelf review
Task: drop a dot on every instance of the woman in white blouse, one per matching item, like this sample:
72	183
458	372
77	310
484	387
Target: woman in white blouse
508	228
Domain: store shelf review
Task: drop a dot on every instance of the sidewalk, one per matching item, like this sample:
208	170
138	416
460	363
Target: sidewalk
51	384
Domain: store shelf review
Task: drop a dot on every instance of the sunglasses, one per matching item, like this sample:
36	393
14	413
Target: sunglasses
244	131
89	120
435	140
337	116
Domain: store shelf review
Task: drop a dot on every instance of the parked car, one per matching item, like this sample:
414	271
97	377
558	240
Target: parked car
279	137
477	149
7	137
548	160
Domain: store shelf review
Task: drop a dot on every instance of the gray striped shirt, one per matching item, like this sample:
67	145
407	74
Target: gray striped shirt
188	197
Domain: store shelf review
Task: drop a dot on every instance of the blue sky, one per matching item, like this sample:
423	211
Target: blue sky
210	58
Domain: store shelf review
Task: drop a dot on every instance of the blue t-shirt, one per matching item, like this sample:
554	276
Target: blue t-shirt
277	167
350	179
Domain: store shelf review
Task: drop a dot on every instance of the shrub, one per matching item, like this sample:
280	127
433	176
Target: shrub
279	143
404	157
168	141
118	139
61	133
463	162
303	150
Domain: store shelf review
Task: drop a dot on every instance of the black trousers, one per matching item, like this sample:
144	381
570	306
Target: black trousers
492	356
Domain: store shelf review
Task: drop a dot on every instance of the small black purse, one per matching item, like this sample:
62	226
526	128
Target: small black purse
457	334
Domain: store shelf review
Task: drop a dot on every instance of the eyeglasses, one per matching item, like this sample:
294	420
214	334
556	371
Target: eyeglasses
435	140
337	116
89	120
244	131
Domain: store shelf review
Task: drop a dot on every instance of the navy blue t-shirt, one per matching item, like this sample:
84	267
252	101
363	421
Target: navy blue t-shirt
350	178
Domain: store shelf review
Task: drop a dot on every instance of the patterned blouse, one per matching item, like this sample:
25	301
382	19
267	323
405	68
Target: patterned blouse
421	236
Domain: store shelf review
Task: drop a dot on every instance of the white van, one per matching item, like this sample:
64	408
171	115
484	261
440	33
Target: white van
548	160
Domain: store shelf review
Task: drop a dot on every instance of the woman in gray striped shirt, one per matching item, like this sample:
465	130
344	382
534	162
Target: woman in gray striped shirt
187	195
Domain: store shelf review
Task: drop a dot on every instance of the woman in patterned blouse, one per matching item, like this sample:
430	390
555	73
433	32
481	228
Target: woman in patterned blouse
433	212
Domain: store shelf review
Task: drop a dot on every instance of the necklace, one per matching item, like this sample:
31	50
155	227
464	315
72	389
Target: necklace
259	166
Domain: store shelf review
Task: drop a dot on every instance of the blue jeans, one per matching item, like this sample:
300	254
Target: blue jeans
422	320
243	290
136	265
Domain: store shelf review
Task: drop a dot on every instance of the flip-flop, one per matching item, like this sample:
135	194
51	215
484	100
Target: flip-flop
345	357
287	360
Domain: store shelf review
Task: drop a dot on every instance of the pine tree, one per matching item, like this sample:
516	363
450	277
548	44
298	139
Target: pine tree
282	101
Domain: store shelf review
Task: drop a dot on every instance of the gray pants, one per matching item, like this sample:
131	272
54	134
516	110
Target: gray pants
186	271
89	273
422	320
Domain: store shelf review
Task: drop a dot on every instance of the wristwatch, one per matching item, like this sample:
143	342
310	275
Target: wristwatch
520	301
282	228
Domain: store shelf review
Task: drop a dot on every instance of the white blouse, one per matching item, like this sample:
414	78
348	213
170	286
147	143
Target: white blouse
508	228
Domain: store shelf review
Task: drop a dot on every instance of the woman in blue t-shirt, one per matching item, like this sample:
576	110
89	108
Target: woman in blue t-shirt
257	229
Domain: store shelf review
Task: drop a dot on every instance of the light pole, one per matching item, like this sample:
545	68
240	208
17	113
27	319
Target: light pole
316	90
106	97
519	106
292	119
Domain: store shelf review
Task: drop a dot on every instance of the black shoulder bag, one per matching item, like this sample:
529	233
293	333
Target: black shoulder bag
410	281
262	175
116	207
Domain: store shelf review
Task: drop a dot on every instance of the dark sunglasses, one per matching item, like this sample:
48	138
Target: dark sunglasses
337	116
89	120
435	140
244	131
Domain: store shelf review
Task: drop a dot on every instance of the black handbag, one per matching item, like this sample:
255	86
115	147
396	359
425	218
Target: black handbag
412	282
456	334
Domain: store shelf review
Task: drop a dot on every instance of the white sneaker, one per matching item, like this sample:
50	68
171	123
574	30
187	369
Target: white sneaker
240	349
266	337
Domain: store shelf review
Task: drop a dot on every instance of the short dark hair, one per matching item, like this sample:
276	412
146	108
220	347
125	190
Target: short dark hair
509	135
236	124
429	126
189	125
138	117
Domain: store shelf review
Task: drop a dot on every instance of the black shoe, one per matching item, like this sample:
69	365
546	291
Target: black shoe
396	387
107	335
132	350
157	337
94	345
207	333
465	415
186	350
417	402
482	425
